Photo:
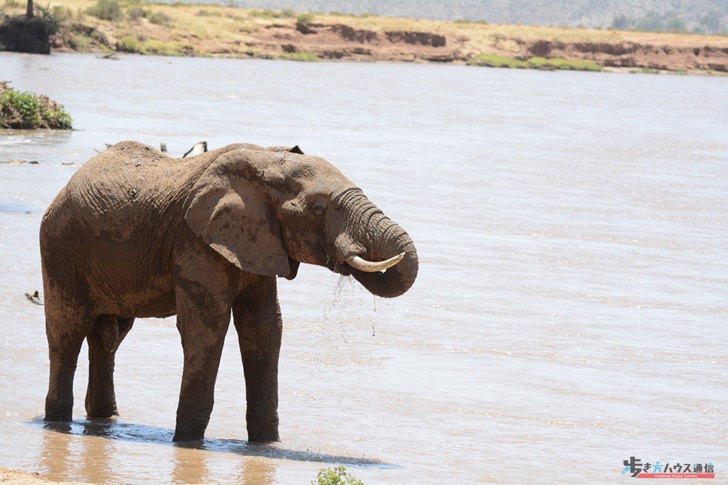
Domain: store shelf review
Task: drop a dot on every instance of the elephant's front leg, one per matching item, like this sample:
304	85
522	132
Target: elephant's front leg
103	341
258	321
202	320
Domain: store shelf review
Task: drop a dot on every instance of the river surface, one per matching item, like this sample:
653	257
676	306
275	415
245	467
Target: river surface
571	309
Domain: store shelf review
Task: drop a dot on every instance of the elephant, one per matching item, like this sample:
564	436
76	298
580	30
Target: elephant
138	234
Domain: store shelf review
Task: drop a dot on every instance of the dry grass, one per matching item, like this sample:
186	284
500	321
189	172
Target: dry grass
219	30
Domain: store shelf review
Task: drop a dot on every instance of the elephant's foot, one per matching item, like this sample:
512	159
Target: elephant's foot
58	417
101	409
191	427
262	426
59	412
262	414
187	436
58	409
268	436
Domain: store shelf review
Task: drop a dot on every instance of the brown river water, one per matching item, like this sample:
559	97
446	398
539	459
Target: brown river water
570	310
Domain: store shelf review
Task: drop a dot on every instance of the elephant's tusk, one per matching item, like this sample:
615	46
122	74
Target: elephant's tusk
372	267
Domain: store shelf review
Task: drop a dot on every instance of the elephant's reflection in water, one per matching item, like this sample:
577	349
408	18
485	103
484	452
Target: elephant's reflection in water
66	456
91	451
108	451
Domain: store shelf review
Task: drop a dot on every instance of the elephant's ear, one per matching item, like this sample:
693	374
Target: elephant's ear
295	149
231	211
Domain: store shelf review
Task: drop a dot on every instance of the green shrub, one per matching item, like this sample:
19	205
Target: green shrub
208	13
78	42
106	10
564	64
273	14
162	48
130	43
29	111
644	70
24	104
304	56
61	13
336	476
52	20
137	13
305	18
58	118
492	60
160	18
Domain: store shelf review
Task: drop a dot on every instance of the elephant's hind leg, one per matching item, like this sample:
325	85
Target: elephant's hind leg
65	332
103	341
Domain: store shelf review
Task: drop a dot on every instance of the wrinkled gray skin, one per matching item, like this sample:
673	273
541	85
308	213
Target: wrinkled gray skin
138	234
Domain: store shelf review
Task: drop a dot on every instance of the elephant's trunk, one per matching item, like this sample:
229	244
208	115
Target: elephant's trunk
396	280
383	240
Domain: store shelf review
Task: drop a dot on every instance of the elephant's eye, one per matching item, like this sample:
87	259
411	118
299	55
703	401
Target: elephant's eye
319	207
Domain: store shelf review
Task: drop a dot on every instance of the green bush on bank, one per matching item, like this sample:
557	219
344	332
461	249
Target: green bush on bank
303	56
113	11
29	111
563	64
492	60
274	14
106	10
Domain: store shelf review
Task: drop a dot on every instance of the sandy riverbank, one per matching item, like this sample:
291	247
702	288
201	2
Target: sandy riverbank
16	477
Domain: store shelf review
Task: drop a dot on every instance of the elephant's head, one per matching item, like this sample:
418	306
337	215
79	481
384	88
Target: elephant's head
266	211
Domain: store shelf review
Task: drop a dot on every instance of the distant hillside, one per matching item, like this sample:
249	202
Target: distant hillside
705	16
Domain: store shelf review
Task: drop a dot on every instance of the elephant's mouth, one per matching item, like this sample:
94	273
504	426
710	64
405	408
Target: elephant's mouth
337	267
342	269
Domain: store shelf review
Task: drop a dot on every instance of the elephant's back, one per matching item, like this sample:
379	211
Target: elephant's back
121	193
123	172
127	185
130	174
128	178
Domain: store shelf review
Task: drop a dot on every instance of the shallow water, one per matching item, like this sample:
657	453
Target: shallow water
570	310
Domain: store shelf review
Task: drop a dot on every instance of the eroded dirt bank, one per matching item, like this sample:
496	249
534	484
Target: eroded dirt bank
668	57
340	41
344	42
